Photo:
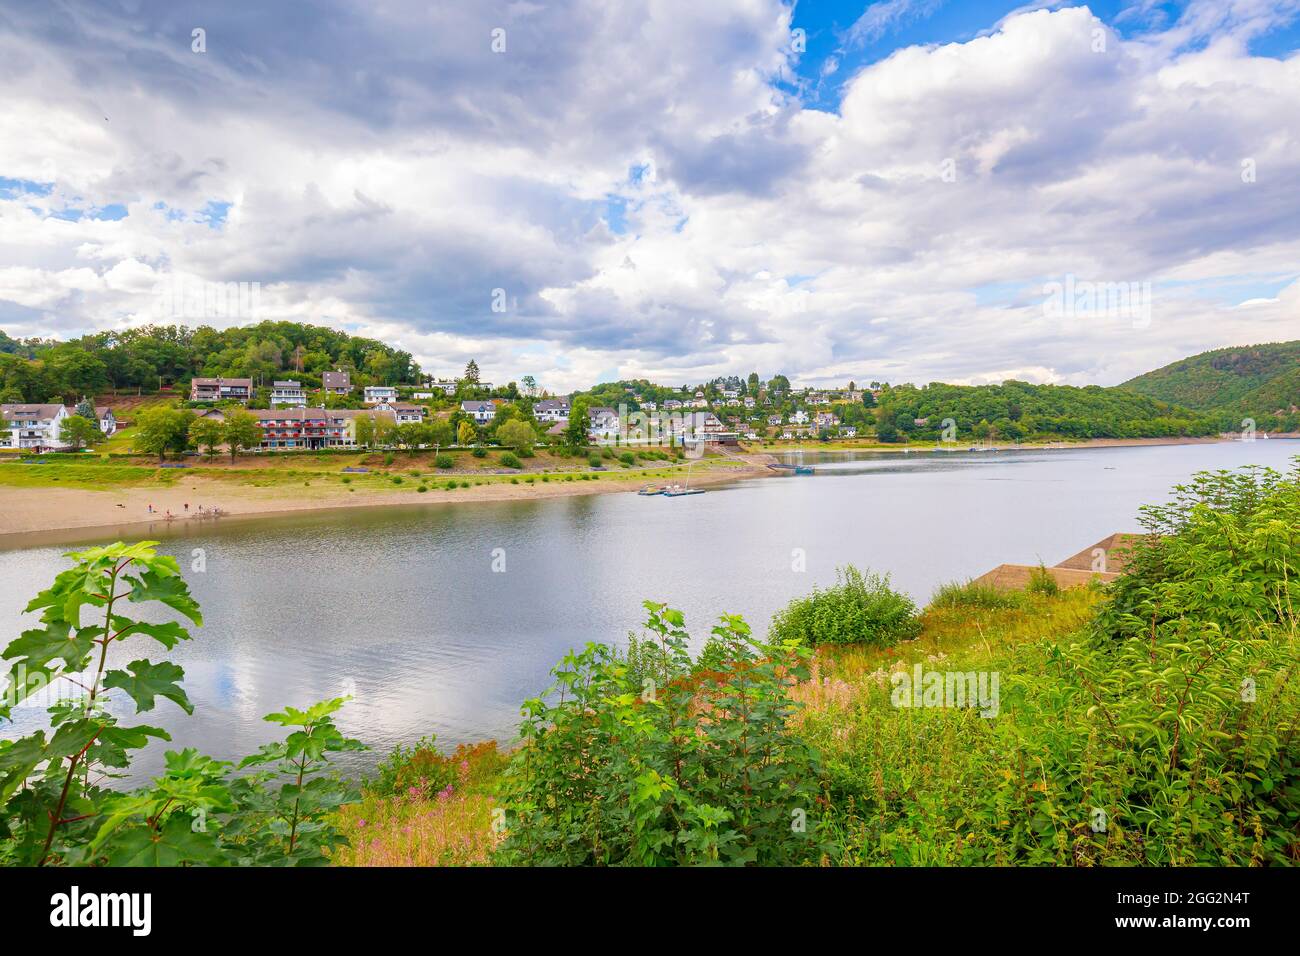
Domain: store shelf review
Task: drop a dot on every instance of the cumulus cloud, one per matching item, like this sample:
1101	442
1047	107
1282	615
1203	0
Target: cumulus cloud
640	184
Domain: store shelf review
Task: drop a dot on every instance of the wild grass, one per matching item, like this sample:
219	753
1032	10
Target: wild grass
425	808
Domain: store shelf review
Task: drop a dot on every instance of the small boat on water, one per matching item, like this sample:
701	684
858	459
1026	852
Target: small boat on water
796	469
678	491
651	490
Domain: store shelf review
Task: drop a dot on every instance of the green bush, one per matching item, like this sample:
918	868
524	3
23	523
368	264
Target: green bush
594	461
509	460
859	609
443	461
644	763
1236	529
479	451
627	458
1042	582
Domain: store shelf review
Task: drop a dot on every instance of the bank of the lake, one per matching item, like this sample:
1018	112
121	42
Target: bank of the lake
57	501
52	504
442	619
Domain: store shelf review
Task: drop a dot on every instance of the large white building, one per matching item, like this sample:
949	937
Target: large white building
288	393
375	394
36	427
552	410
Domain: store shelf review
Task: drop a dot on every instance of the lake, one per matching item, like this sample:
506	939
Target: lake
444	618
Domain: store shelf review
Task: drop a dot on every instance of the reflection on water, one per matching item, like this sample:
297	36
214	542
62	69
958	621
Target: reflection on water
401	607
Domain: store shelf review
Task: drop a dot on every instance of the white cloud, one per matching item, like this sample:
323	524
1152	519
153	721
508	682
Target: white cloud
385	172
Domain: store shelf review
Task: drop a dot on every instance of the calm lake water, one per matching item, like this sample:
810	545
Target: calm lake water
401	607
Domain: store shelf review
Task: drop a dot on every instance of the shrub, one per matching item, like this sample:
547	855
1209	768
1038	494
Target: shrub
1042	582
859	609
509	460
1235	530
396	479
627	458
388	458
594	461
479	451
443	461
694	769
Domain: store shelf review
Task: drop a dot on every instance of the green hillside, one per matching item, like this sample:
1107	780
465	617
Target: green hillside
1257	378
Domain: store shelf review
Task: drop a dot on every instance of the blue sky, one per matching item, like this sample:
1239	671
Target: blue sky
829	29
663	188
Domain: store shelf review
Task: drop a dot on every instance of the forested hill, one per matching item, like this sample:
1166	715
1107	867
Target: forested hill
1017	410
1257	380
35	370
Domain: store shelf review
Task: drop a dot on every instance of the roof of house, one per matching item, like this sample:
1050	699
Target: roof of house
472	406
335	379
30	411
289	414
101	411
287	383
552	403
245	382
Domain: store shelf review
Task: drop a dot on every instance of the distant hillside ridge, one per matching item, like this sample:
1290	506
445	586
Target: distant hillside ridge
1252	378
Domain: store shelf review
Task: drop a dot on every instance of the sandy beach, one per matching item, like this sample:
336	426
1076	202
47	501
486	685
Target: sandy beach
29	512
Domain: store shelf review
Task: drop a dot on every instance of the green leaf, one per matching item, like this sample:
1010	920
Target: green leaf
163	583
145	681
55	641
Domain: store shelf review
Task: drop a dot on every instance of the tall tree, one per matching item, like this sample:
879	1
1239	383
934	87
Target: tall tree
471	372
207	434
160	429
576	432
243	433
80	432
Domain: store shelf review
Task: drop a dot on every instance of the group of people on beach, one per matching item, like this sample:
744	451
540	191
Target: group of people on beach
199	510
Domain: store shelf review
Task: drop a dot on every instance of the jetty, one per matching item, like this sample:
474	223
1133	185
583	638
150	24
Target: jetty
1103	561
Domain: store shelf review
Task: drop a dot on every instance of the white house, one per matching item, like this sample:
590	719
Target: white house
403	412
288	393
483	412
799	418
552	410
377	394
36	427
103	417
603	422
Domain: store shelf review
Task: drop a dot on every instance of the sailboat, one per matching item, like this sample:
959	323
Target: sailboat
676	491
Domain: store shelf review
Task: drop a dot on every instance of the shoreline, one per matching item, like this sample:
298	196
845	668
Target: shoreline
30	513
42	515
